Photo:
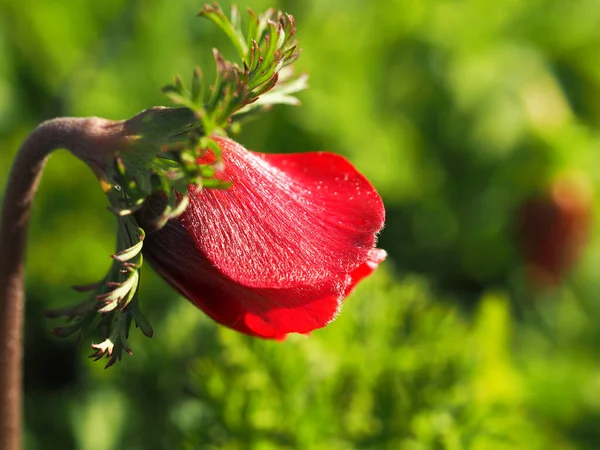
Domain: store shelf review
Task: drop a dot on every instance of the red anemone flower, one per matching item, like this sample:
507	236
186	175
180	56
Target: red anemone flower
278	251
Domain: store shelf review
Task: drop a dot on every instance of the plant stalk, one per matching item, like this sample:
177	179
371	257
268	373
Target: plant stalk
91	140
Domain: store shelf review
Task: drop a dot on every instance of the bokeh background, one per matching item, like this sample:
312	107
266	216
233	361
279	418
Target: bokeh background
478	122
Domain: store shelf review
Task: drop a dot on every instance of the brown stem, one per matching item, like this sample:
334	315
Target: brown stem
91	140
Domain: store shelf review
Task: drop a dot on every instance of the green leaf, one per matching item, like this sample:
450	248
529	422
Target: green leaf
215	14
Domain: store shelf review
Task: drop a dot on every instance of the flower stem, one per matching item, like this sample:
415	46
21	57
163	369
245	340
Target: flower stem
89	139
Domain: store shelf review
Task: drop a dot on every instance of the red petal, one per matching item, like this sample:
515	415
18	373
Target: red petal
277	252
287	220
268	313
376	257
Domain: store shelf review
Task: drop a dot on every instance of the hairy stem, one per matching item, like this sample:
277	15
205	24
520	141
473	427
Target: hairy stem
92	140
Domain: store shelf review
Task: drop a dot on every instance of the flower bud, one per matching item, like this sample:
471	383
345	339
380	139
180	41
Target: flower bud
554	227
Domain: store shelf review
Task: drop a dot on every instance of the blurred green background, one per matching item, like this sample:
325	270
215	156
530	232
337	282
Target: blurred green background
459	111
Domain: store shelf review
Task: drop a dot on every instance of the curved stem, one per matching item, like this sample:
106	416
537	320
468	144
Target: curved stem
90	139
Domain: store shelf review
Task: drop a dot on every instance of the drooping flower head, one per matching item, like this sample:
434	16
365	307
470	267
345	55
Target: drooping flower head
264	244
278	250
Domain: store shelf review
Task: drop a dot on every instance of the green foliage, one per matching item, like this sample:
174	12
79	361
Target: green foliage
267	49
405	383
456	110
398	372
